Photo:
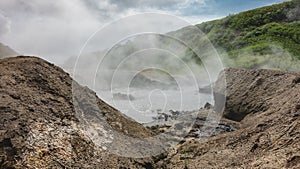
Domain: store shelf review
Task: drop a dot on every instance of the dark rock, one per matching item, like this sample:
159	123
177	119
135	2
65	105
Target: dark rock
208	106
293	162
296	80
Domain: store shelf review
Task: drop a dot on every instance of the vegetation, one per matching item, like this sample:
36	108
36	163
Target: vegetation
267	37
257	38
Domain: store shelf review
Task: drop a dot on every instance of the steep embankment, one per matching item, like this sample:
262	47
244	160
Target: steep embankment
39	127
267	106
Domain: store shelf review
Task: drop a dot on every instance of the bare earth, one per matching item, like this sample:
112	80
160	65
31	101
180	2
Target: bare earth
40	129
266	105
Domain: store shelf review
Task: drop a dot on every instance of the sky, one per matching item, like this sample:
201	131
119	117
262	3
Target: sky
57	29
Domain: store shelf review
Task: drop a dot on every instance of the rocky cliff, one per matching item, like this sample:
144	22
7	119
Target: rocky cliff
265	105
38	124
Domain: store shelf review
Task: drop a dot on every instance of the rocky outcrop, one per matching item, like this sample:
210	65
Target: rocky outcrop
255	91
38	124
265	105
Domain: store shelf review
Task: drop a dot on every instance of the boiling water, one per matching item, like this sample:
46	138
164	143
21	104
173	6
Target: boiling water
142	104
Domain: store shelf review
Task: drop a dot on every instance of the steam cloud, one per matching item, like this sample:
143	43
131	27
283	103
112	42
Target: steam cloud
56	30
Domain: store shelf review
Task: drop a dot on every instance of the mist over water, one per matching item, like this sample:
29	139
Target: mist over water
146	71
142	104
144	108
151	81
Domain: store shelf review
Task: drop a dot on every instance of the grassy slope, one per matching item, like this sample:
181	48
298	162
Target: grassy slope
267	37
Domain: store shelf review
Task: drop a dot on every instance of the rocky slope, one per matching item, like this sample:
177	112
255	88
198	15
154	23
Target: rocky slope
38	124
266	106
6	51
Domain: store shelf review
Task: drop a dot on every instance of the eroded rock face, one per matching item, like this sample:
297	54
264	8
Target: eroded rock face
265	106
38	124
252	91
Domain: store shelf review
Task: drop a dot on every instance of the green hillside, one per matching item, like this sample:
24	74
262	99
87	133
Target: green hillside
267	37
259	38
